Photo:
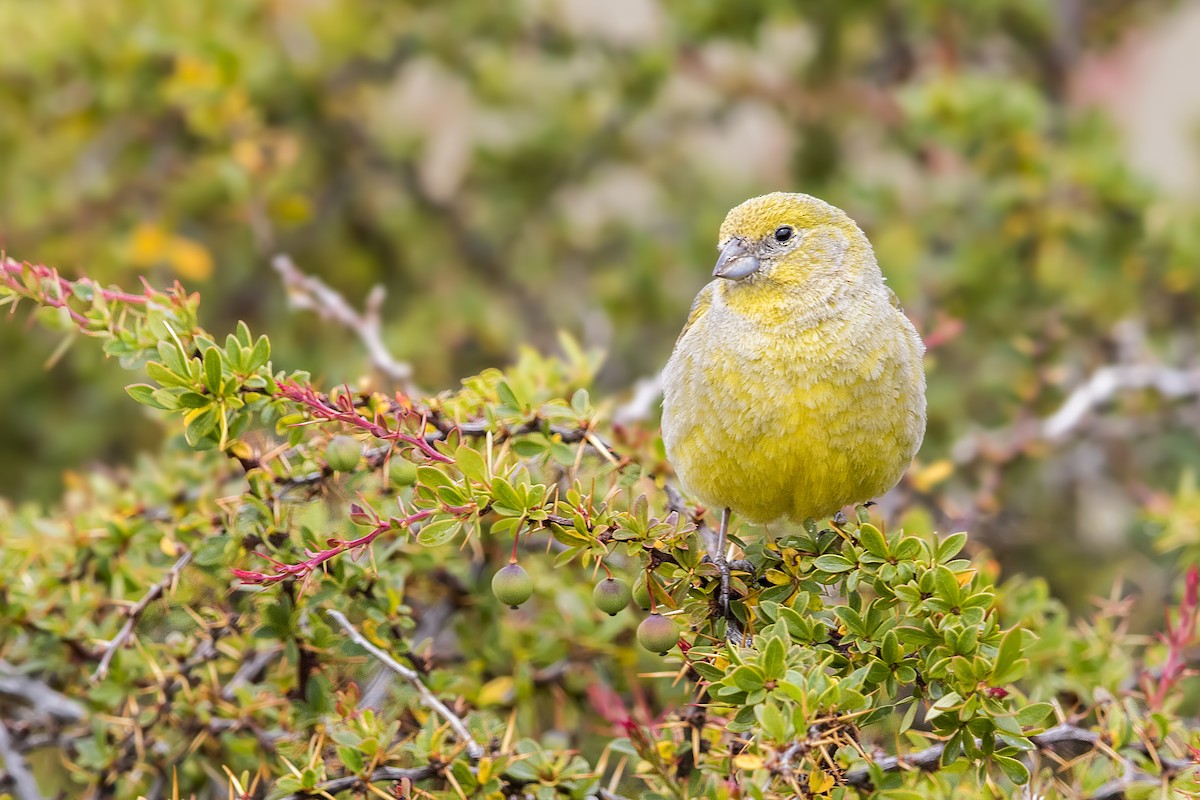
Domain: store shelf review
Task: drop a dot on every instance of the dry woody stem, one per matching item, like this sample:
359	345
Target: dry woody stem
156	591
474	750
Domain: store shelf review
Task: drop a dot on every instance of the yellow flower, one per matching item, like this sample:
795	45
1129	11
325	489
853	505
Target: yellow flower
796	386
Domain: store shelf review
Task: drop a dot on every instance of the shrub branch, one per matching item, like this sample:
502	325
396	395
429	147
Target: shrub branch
474	750
135	612
308	291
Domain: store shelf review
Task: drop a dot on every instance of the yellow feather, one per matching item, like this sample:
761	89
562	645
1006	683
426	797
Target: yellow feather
797	389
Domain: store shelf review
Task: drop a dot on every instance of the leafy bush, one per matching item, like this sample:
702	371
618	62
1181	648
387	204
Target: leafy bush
255	610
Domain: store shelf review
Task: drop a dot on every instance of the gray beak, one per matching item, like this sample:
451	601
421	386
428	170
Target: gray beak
736	261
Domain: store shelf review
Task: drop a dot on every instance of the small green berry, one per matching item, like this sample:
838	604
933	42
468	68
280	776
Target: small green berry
343	453
641	593
512	585
611	595
657	634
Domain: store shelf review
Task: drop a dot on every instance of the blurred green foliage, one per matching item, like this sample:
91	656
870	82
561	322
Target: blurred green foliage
511	170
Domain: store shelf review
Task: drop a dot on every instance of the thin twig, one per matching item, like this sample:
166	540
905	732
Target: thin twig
453	720
135	612
24	785
1060	736
250	670
381	775
308	291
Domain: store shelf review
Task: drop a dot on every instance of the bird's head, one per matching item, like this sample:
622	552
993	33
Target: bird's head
785	239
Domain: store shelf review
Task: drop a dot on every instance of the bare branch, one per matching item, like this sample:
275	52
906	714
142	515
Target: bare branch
40	697
135	612
1108	381
1103	385
250	670
308	291
453	720
24	785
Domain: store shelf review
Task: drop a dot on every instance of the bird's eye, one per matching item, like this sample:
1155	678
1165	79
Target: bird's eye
783	233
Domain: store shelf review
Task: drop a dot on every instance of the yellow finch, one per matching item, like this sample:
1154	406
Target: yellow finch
796	386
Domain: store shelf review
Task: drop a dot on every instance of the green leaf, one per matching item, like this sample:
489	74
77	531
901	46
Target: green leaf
471	463
946	586
172	357
953	749
873	540
194	400
260	355
530	446
201	426
507	496
507	397
1007	654
351	758
1034	714
772	721
212	370
163	376
433	477
833	563
144	394
948	548
747	678
580	402
1013	769
243	332
891	651
439	531
943	705
774	660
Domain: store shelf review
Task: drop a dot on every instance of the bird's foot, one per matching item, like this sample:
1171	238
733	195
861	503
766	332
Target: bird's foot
722	565
741	565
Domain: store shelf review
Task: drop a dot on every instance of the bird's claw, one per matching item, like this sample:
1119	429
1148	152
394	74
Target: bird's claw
723	594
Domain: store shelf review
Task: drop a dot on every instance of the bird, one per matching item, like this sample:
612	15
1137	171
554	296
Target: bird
796	386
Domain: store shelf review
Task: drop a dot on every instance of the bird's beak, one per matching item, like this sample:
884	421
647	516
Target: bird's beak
736	261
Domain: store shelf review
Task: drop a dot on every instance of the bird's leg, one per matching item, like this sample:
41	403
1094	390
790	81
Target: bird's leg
722	562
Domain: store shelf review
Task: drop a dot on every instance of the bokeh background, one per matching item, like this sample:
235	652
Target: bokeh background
1028	170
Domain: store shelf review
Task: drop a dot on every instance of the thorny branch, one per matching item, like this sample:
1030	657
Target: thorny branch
135	612
310	292
474	750
342	409
334	547
55	290
1178	637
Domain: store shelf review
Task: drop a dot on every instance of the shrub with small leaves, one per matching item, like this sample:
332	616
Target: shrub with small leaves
253	603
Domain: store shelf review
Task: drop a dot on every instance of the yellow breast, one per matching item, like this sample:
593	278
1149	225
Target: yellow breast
772	412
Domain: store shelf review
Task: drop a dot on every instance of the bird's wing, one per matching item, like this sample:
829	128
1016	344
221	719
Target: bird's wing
700	306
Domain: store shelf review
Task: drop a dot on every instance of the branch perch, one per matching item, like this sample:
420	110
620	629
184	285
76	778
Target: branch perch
1060	736
474	750
310	292
156	591
381	775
